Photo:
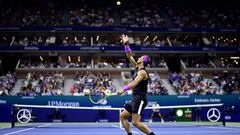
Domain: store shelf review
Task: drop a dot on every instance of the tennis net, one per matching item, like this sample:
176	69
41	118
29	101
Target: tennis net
66	116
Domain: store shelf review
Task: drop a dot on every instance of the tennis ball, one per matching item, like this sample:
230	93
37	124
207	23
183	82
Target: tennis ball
118	3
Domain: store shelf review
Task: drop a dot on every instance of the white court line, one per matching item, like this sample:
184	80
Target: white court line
110	133
15	132
44	125
27	129
135	132
233	128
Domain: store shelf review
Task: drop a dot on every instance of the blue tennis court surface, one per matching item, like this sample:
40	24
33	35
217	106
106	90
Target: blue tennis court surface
114	129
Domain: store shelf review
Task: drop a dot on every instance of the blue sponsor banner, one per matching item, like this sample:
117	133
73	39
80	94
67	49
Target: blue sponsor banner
112	29
116	48
230	101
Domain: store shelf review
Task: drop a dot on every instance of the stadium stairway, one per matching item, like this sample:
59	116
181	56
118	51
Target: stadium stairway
17	87
67	84
168	87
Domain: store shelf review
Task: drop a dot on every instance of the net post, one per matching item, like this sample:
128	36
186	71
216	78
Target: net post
12	116
223	115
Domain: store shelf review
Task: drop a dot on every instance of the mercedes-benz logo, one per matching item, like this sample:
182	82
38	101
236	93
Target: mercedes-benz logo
213	115
23	116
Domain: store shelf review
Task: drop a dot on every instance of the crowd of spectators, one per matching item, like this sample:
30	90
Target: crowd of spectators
33	41
156	62
156	86
41	65
184	14
200	14
49	84
87	82
226	62
73	40
24	14
42	62
190	15
185	40
7	83
192	84
176	40
108	65
227	13
224	41
30	40
149	41
197	62
141	14
88	13
46	64
228	81
28	64
90	82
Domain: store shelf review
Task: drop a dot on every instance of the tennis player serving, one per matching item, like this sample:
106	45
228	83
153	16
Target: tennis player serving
139	90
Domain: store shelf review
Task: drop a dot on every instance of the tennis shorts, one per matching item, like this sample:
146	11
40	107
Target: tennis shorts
137	105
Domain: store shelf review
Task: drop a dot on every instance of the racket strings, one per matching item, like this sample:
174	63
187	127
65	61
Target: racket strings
97	96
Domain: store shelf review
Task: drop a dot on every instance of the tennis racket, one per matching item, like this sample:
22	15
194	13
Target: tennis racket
100	96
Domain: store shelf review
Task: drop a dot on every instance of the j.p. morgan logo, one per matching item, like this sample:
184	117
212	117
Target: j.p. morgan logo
61	103
3	101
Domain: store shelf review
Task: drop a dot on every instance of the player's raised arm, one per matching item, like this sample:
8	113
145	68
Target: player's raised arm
128	50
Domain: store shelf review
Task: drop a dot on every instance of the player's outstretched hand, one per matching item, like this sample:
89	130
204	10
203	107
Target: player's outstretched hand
124	39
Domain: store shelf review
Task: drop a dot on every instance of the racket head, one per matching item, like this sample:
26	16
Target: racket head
97	96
